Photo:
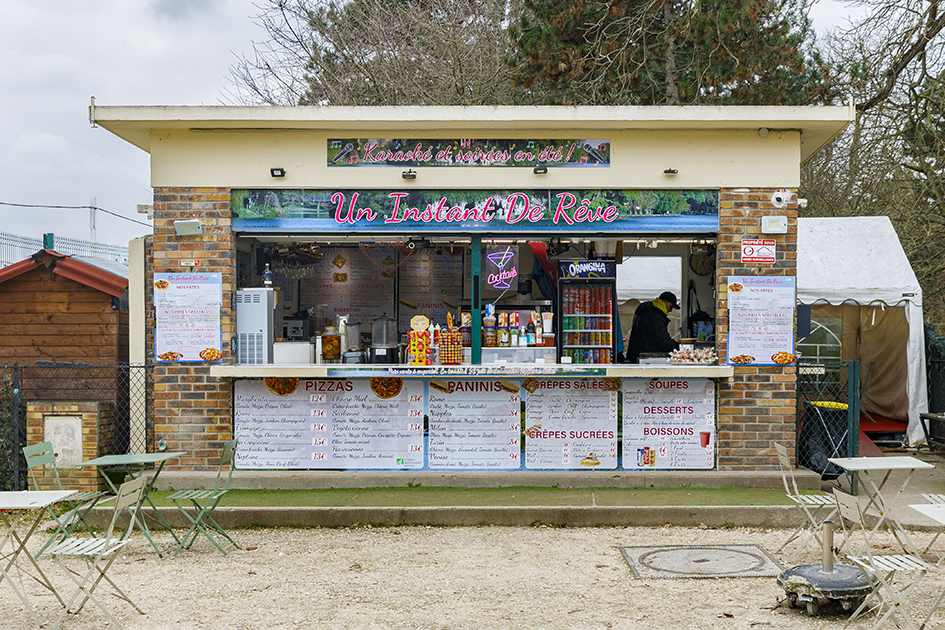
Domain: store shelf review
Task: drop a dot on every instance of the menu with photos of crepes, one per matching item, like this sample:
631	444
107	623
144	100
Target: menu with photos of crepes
474	424
363	424
571	423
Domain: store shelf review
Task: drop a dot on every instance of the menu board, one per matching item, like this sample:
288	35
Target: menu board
571	423
431	284
475	424
187	317
761	320
352	282
668	424
363	424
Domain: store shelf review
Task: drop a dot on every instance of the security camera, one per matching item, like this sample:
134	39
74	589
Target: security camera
801	202
780	198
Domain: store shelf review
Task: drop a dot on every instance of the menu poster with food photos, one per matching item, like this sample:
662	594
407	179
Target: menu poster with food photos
761	320
475	424
571	423
187	310
668	424
353	424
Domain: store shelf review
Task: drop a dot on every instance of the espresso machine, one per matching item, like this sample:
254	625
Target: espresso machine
384	346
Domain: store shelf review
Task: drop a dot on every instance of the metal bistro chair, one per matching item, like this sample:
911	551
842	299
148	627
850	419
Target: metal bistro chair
880	570
811	504
99	553
78	504
204	502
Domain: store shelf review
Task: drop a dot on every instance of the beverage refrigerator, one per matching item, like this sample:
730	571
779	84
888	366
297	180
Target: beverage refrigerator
587	294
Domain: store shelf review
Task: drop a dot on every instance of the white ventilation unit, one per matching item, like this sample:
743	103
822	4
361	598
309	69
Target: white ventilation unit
255	314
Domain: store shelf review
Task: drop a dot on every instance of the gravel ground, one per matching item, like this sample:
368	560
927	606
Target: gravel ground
440	578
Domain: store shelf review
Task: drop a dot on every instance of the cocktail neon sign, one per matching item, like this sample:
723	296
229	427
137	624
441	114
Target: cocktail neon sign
505	262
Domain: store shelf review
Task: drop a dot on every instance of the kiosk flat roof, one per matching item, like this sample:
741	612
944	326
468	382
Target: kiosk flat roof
134	124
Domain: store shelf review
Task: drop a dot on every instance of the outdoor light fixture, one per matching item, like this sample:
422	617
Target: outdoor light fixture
671	171
763	132
409	174
277	171
540	169
188	227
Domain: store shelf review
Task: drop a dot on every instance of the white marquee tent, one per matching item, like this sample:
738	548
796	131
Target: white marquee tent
855	268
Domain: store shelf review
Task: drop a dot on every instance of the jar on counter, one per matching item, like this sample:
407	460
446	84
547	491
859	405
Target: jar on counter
488	336
503	338
331	344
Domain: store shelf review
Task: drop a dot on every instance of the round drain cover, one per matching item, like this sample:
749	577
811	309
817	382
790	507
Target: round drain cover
702	561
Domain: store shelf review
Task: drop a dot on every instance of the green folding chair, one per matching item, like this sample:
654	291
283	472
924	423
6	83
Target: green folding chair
77	505
203	502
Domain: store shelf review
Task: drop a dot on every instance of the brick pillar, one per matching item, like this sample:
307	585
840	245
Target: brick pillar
757	406
192	410
95	424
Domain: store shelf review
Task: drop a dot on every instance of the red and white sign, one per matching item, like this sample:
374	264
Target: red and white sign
758	250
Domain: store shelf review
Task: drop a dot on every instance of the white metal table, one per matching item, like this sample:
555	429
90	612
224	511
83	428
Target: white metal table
26	504
864	469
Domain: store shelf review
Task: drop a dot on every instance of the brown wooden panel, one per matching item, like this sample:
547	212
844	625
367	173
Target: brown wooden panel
47	330
24	354
51	341
58	298
98	317
53	307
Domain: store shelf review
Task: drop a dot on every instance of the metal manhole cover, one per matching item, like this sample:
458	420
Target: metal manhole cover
701	561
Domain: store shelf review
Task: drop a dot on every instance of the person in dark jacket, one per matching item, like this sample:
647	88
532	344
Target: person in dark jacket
649	333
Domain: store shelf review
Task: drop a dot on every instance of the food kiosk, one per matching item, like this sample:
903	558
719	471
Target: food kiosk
453	225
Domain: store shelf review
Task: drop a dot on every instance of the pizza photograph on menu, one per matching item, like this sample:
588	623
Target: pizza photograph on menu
281	386
386	386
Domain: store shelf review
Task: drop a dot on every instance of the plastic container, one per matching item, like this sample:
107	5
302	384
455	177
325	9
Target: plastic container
548	340
503	338
488	336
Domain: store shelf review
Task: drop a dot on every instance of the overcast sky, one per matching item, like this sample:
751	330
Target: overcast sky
54	56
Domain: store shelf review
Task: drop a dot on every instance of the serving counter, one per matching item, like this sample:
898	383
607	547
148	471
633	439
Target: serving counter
507	417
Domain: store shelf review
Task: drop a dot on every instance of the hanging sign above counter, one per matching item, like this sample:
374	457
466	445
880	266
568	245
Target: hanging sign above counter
403	152
467	210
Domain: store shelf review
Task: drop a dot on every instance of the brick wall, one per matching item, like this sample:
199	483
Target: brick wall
98	419
192	410
757	406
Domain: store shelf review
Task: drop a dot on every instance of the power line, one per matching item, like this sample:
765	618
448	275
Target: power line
88	207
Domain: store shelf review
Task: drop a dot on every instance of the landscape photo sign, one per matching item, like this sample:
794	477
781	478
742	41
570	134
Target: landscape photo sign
403	152
546	211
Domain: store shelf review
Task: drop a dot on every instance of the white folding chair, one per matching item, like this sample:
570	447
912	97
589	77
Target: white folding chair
880	570
935	499
99	553
811	504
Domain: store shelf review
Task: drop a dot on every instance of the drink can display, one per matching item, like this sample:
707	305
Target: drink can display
643	456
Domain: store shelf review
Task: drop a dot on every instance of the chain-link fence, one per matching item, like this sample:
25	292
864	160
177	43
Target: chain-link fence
126	389
828	415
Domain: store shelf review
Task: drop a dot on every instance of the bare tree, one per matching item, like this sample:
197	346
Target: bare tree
380	52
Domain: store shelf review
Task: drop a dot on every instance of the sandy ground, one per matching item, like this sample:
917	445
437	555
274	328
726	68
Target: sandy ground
439	578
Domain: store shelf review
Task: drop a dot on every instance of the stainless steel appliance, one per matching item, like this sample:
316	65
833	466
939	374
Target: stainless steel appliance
255	314
384	348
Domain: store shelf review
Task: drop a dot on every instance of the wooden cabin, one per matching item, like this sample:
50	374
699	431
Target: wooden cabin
55	307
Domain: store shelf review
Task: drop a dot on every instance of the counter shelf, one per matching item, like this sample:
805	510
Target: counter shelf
509	370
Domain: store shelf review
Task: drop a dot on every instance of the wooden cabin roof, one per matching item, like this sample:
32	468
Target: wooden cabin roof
71	268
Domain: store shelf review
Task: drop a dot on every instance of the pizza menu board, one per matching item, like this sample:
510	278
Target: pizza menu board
353	282
571	423
365	424
668	424
430	284
187	313
761	320
474	424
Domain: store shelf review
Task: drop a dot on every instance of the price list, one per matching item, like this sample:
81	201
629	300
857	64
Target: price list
362	424
571	423
475	424
668	424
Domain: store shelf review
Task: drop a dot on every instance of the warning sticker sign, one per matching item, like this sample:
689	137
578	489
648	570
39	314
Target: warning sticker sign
758	250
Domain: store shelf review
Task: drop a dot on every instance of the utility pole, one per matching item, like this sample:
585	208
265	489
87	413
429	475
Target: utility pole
92	220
